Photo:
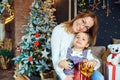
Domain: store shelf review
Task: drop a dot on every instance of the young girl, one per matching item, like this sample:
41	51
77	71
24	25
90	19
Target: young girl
80	53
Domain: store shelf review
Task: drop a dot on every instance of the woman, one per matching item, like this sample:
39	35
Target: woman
63	35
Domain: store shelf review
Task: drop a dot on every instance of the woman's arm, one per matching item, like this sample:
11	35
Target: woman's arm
56	52
92	59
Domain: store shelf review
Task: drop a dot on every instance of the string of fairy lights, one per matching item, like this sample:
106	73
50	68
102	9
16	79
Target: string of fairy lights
94	5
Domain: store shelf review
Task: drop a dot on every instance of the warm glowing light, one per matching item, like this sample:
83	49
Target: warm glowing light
7	20
53	1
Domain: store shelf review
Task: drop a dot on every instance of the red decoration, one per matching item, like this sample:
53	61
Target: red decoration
114	54
78	75
30	59
36	43
37	35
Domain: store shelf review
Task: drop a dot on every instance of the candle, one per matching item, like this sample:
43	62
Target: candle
2	31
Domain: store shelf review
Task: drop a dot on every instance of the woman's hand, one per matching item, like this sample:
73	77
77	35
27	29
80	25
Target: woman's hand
69	77
91	63
64	64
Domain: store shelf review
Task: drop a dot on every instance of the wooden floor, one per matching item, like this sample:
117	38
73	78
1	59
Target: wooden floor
7	74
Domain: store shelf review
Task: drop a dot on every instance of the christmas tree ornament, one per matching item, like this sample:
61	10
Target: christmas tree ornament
104	5
30	59
95	5
36	44
45	53
37	35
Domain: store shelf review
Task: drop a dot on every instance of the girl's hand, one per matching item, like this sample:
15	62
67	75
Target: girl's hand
64	64
91	63
85	60
69	77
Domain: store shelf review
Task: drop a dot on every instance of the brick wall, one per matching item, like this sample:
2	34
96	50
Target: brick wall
22	9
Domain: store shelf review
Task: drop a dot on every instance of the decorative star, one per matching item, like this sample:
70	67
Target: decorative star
104	6
45	53
95	5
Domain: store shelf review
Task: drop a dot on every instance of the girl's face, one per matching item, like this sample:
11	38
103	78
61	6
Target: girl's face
81	40
82	24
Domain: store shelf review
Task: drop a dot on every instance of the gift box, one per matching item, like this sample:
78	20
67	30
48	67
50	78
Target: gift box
112	72
83	72
79	76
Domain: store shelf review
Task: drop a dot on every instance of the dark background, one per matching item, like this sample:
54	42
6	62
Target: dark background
109	26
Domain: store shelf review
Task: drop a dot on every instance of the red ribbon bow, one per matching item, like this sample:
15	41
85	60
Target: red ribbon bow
114	54
113	69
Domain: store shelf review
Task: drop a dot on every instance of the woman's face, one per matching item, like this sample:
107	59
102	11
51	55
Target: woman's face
82	24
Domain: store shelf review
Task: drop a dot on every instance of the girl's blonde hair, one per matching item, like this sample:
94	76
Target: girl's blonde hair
93	30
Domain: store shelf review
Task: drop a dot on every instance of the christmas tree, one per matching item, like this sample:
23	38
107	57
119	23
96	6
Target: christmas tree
35	50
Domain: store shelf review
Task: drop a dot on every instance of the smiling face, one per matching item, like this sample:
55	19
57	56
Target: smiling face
82	24
81	41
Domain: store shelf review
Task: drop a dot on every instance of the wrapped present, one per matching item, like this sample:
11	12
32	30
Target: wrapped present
112	72
83	72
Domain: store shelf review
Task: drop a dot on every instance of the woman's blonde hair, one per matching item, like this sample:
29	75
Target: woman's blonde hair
92	30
